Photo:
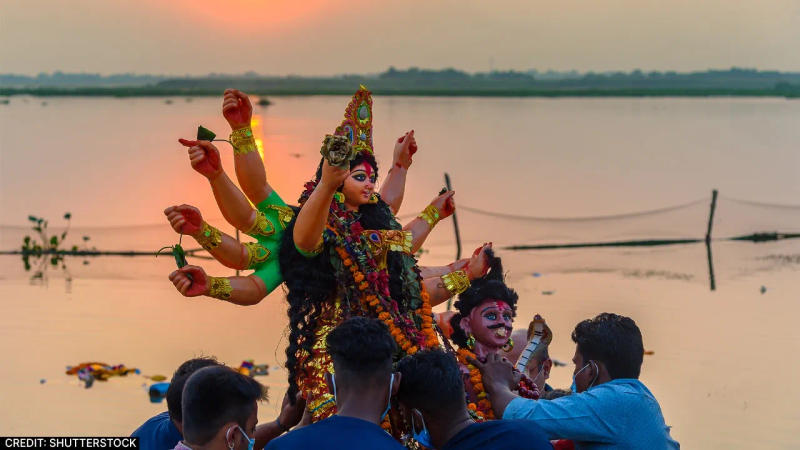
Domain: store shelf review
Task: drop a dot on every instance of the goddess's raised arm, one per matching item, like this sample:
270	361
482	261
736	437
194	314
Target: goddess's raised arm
243	291
238	212
440	288
440	208
250	171
313	215
394	186
186	219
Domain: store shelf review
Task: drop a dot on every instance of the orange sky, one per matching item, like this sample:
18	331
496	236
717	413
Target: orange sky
322	37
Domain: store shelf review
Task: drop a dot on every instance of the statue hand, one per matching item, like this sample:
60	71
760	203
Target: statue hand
479	262
445	204
184	219
237	109
197	286
204	157
404	149
332	176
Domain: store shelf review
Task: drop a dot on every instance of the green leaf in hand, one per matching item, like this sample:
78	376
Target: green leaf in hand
204	134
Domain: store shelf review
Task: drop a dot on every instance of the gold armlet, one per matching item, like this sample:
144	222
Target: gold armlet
256	254
262	226
456	282
243	141
431	215
219	288
209	237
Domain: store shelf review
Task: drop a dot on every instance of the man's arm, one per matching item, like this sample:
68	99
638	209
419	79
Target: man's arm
290	415
580	417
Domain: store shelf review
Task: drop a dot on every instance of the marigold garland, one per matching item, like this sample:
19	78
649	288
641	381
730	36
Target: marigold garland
403	330
483	409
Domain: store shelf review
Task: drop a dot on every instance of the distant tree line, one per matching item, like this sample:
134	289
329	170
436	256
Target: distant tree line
416	81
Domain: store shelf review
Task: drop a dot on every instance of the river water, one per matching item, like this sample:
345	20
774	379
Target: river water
525	171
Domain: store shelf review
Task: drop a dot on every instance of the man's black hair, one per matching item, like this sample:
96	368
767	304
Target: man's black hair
214	396
432	382
179	378
614	340
361	346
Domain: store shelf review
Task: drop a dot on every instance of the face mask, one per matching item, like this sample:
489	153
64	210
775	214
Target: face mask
540	373
424	438
250	442
389	400
574	387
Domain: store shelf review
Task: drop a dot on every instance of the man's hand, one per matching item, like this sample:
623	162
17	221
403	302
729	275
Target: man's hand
237	109
291	414
404	149
195	287
445	204
184	219
497	372
499	380
478	264
204	157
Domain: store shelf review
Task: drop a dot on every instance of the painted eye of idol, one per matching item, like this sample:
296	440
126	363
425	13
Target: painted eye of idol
360	175
492	311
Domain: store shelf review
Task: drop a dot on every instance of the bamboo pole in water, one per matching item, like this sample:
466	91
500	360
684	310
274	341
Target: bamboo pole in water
458	235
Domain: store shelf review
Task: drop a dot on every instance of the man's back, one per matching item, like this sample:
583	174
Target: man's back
620	414
337	432
500	434
158	433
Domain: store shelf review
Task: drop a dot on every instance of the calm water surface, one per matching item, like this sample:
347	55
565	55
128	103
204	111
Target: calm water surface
562	170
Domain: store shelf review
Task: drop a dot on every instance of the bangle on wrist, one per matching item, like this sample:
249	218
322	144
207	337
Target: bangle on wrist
219	288
456	282
431	215
243	141
209	237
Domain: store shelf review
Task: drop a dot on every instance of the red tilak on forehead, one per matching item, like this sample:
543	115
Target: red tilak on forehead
501	305
368	169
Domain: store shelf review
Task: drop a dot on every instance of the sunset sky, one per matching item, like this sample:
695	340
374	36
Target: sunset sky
317	37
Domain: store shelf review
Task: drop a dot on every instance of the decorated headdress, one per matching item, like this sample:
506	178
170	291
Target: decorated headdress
357	122
356	127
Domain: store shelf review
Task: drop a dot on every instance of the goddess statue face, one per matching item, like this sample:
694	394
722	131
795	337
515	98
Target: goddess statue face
490	323
359	185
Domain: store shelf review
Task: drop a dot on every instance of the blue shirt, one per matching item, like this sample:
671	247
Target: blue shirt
337	432
158	433
620	414
501	435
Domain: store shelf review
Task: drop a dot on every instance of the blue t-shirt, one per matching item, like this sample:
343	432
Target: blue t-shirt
619	414
158	433
501	435
337	432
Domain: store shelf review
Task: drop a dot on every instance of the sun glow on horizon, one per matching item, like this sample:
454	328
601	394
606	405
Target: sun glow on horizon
247	15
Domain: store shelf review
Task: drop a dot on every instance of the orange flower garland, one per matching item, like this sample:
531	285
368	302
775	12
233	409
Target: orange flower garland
371	302
483	410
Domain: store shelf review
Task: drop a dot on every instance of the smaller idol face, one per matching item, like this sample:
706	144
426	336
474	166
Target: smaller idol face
491	322
359	186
